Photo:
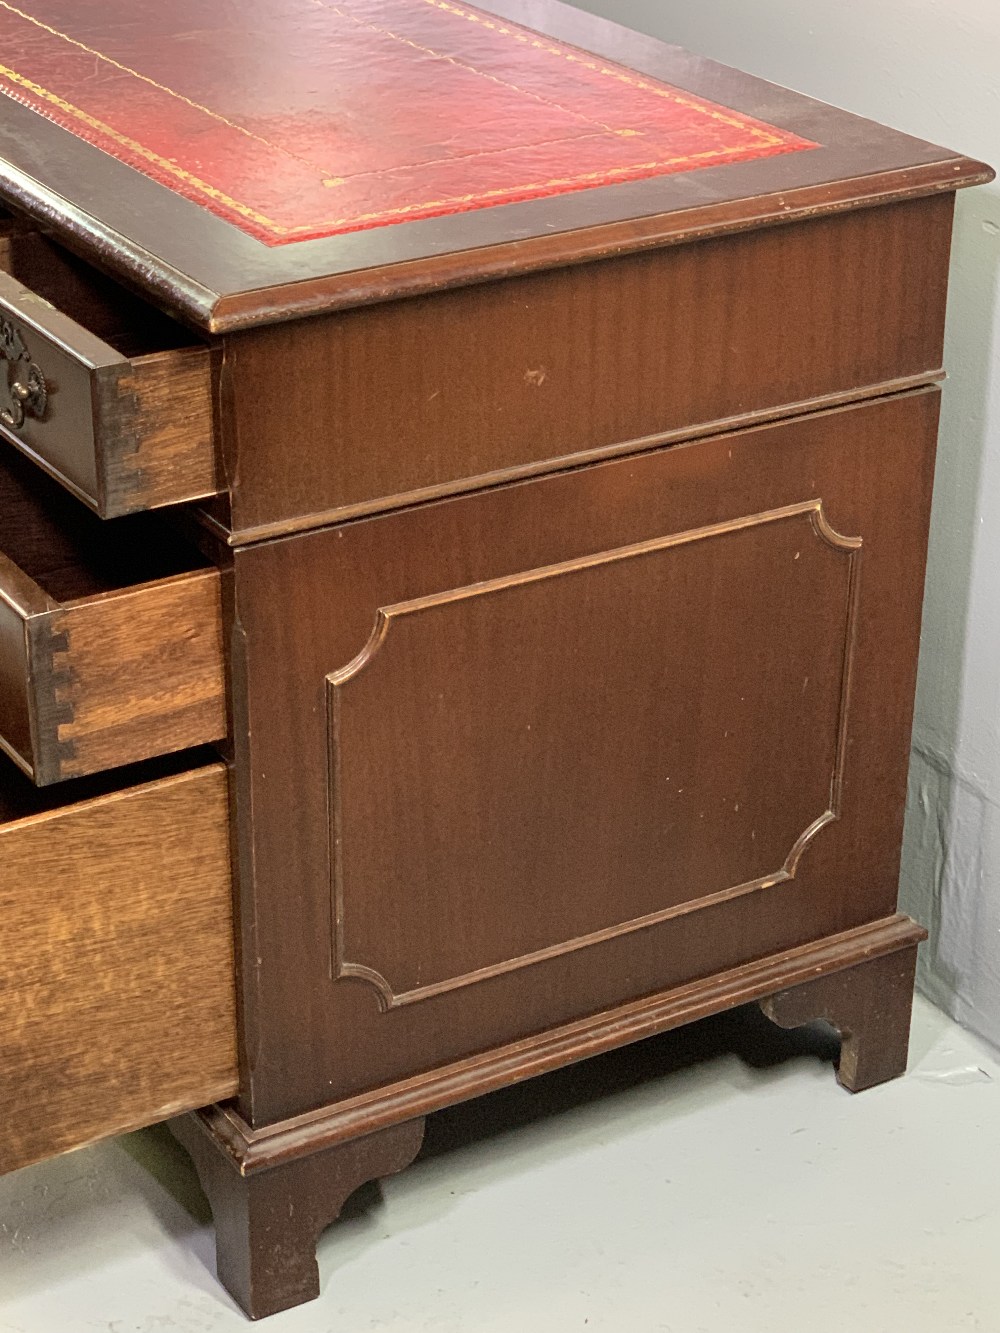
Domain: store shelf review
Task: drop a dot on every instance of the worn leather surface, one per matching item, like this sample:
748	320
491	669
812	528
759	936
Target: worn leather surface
298	119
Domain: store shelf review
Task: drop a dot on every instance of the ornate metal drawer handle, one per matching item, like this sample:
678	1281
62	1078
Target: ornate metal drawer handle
27	397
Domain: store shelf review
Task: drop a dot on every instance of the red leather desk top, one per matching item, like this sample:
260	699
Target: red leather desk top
333	116
183	144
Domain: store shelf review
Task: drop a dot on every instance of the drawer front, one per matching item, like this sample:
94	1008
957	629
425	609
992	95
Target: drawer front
124	432
94	675
540	752
116	990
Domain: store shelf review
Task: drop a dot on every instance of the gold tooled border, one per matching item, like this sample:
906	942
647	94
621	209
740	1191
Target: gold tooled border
767	136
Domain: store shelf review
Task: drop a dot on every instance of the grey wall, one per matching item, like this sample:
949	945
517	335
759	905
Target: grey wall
931	68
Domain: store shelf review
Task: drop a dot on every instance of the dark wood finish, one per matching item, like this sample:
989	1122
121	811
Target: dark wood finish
513	378
110	640
116	988
273	1190
221	279
129	422
290	1140
870	1006
569	557
528	700
582	597
267	1224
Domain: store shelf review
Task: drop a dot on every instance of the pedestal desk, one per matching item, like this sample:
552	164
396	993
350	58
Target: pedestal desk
463	501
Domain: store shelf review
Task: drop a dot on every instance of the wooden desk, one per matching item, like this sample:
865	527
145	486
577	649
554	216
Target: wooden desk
540	426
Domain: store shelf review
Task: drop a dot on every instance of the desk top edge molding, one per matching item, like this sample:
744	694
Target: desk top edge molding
220	279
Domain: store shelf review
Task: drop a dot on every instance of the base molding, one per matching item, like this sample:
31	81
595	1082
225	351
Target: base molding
273	1189
252	1150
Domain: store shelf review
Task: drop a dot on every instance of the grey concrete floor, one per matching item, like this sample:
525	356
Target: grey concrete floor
714	1180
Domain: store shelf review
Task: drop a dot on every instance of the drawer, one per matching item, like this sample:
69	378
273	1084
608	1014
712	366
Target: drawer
116	987
110	634
108	395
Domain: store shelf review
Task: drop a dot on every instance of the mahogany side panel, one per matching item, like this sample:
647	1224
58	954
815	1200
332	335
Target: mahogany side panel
116	992
736	620
429	396
531	706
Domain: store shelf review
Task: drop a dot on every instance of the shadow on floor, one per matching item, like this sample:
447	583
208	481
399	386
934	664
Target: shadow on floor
152	1165
743	1032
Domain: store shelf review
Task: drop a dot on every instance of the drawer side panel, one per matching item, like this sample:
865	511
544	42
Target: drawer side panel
175	457
131	675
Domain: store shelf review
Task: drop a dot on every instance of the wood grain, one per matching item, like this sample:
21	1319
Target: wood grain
116	989
131	674
273	1189
729	626
575	712
441	456
416	399
267	1226
170	453
130	423
96	671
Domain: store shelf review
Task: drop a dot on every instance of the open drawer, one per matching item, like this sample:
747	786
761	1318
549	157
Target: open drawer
110	634
111	397
10	227
117	989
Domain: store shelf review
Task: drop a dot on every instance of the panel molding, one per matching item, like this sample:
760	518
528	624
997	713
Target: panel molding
388	616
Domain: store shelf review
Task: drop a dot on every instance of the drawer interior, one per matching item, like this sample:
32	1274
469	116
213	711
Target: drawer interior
20	799
71	553
92	300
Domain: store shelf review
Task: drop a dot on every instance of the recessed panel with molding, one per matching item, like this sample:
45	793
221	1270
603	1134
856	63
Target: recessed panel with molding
601	693
679	657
